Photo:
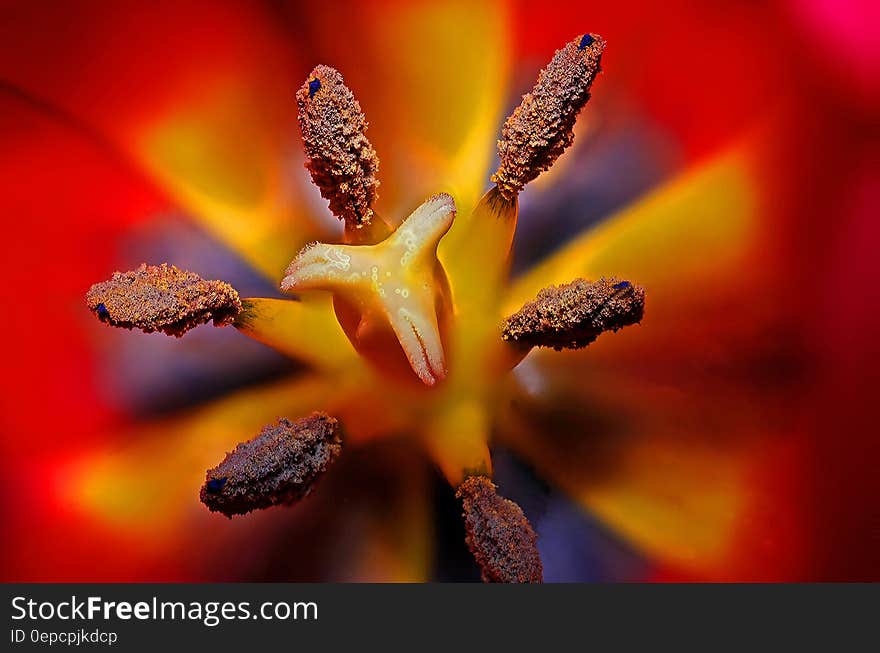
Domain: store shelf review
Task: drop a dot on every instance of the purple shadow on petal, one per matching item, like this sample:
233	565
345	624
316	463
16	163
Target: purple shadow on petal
574	546
610	169
149	374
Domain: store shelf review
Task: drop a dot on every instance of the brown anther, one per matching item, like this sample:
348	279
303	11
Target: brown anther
498	534
573	315
541	127
279	466
162	298
341	160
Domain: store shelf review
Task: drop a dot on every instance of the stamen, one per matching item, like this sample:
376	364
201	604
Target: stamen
498	534
572	316
541	127
162	298
278	467
341	160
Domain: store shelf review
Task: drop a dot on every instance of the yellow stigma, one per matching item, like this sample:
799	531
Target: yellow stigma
397	283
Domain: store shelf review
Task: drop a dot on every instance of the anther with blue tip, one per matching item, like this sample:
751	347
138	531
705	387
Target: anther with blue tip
102	311
215	485
586	41
314	87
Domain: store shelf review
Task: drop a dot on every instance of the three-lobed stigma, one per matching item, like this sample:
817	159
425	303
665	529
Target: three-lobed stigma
395	280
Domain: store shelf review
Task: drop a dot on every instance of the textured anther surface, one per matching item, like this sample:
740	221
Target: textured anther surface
541	127
498	534
573	315
279	466
340	157
162	298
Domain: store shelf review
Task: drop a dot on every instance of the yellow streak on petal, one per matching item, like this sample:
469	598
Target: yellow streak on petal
443	88
432	79
225	161
675	489
305	330
370	511
675	496
675	500
151	485
695	225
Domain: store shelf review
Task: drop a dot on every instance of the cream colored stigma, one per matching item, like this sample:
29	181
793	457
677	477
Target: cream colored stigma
394	278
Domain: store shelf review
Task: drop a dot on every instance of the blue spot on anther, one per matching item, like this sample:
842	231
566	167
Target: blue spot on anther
215	485
314	87
102	311
586	41
621	285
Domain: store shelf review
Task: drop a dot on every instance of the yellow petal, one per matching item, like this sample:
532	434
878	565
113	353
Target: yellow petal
371	506
151	483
